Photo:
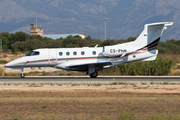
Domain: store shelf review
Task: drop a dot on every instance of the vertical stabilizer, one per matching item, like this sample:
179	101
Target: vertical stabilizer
151	35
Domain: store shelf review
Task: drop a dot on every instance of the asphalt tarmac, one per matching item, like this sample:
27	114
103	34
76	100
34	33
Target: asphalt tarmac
87	79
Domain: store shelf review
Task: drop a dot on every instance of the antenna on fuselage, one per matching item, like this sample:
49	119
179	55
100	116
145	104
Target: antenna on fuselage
96	45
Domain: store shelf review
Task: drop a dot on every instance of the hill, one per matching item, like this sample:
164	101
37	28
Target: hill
125	18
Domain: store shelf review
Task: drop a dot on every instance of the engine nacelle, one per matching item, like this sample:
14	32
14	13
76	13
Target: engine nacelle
114	51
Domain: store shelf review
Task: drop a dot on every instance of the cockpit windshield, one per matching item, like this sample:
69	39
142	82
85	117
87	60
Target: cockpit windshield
32	53
29	54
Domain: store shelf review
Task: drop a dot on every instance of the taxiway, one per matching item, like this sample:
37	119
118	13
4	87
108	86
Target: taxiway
86	79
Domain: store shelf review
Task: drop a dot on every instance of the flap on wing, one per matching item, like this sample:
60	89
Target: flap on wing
90	63
15	68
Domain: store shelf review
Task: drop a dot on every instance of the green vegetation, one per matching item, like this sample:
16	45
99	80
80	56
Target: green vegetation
3	62
161	66
170	46
22	42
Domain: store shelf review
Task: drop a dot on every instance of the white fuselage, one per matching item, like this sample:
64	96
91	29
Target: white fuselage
62	58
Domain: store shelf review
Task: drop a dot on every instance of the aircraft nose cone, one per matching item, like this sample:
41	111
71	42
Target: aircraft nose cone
8	65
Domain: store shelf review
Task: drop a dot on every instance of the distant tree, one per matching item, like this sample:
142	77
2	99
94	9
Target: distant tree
94	42
5	48
70	40
88	37
109	42
5	34
77	36
131	39
32	44
18	46
172	41
21	41
21	36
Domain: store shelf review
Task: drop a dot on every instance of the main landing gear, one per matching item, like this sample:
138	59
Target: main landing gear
94	74
22	74
92	71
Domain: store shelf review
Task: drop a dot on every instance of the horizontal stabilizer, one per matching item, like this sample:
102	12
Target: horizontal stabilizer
150	59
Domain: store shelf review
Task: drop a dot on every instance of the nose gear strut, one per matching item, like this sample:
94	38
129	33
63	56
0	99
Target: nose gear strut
22	74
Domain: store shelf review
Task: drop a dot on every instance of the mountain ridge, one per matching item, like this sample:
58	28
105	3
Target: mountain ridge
125	18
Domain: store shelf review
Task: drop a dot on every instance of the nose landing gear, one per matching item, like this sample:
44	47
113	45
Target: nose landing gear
22	74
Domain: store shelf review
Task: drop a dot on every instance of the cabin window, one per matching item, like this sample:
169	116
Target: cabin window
67	53
32	53
94	52
82	53
60	53
74	53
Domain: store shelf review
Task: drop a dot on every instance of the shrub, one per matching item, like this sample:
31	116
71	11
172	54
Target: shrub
5	56
3	62
2	70
161	66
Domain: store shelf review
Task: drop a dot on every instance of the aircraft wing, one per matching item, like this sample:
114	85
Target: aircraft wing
98	65
83	65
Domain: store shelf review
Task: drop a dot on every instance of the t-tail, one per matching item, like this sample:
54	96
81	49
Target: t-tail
151	35
143	48
148	40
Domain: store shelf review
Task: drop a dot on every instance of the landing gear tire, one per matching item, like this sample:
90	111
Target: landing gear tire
22	75
94	75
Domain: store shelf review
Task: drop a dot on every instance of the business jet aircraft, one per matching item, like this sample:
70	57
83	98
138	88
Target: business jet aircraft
96	58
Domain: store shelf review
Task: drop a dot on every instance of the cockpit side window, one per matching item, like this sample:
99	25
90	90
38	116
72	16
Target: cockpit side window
36	53
32	53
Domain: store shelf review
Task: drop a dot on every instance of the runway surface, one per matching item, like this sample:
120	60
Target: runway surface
87	79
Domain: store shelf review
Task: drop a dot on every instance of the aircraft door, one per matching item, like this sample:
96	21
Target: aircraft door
52	57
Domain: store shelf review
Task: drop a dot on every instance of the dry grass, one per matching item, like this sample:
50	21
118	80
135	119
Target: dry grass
175	72
9	56
164	55
85	105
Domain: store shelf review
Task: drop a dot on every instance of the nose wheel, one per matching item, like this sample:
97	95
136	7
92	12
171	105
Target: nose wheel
22	74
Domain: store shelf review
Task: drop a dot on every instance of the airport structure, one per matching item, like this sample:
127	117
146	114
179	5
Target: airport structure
34	30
